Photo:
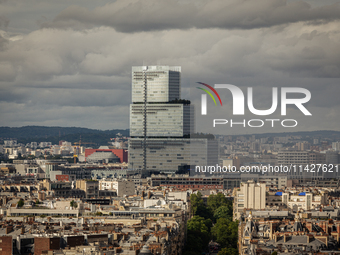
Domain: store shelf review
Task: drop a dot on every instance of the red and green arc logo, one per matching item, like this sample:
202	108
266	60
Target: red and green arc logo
209	93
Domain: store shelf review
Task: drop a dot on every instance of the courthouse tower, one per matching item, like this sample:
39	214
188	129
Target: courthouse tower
161	123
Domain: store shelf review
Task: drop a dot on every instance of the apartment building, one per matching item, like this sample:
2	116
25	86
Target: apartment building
300	157
90	187
122	187
250	195
303	200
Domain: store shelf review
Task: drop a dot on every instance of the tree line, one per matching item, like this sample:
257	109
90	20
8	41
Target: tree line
211	222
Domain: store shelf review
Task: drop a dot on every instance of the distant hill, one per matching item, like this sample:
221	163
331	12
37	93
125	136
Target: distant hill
97	137
29	134
318	133
330	135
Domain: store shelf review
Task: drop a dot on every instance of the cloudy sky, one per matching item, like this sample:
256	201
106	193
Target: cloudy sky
68	62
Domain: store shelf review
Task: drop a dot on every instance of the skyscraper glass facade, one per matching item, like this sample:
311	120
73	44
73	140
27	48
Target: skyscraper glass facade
167	122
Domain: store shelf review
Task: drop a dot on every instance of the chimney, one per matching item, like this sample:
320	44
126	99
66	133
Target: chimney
9	229
326	227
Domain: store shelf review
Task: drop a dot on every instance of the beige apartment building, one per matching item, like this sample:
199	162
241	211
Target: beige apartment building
122	187
304	201
250	195
90	187
300	157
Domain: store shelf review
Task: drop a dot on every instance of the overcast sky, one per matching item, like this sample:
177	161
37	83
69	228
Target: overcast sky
68	62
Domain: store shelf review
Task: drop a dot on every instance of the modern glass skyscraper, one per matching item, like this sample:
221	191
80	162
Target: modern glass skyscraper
161	122
165	114
163	83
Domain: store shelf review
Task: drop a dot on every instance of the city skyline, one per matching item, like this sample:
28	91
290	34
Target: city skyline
69	63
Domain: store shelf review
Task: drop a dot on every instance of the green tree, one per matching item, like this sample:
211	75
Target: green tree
204	212
195	201
199	224
215	201
228	251
21	203
190	252
73	204
225	233
198	229
198	207
224	211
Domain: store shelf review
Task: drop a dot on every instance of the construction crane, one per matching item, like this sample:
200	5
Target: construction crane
77	147
80	142
75	156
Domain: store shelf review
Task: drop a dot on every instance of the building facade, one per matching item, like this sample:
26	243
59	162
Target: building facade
90	187
167	155
250	195
163	83
167	121
164	120
122	187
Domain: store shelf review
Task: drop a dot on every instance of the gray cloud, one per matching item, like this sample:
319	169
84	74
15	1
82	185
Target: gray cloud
91	117
148	15
3	22
69	77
